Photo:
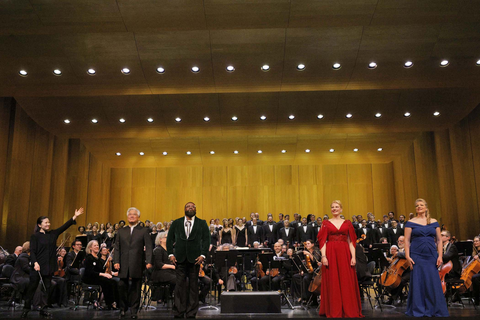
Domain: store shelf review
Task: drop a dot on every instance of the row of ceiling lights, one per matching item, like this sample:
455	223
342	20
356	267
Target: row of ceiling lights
230	68
263	117
258	151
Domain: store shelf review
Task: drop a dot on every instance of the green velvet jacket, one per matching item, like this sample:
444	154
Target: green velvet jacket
193	247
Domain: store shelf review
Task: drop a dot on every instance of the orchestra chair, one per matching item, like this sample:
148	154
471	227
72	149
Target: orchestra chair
93	290
452	290
149	287
368	284
6	285
74	285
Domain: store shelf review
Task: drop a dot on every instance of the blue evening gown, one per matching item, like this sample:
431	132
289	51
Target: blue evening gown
425	298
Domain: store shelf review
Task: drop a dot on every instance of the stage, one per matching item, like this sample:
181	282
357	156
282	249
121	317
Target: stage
161	312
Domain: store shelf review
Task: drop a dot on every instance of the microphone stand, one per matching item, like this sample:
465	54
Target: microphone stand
301	306
209	306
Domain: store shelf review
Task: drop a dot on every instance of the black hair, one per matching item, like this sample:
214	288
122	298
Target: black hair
74	242
121	221
39	221
81	227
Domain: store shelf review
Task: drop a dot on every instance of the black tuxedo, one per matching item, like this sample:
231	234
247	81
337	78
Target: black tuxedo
72	264
451	254
11	258
259	222
394	235
378	232
386	225
369	236
401	225
279	225
255	236
130	254
269	235
304	235
290	238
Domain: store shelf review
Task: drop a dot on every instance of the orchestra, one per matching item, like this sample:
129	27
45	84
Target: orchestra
265	255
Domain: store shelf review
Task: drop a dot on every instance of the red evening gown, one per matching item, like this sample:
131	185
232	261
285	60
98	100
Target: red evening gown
340	294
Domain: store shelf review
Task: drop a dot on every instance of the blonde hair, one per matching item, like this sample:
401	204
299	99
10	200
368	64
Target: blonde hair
337	202
427	211
88	249
475	250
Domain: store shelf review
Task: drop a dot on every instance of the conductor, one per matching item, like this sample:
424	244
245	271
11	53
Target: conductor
130	258
191	237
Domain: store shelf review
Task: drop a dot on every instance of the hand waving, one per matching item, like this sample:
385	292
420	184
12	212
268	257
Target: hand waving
77	213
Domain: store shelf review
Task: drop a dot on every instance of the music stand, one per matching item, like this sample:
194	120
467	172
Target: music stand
208	261
464	248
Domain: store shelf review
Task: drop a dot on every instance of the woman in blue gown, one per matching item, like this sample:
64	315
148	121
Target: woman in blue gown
424	249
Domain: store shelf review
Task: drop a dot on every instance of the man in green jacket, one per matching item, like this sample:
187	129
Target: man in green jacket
191	238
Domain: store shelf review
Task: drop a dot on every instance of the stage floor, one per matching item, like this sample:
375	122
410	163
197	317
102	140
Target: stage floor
159	312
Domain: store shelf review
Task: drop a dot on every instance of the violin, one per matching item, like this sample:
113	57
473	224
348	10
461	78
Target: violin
260	272
361	238
232	270
308	261
108	264
201	272
60	271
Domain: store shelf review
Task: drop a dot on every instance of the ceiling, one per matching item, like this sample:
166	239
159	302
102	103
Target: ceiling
42	35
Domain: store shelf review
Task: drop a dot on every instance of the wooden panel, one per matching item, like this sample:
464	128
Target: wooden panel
98	186
237	202
446	181
383	189
360	192
261	175
286	175
401	207
143	191
474	126
59	177
120	193
335	186
409	180
6	111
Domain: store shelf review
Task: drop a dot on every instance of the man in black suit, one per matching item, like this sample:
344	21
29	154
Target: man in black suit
130	258
386	223
73	260
369	234
269	230
394	232
305	232
259	221
255	233
450	253
250	222
11	258
401	222
279	225
381	231
191	237
287	234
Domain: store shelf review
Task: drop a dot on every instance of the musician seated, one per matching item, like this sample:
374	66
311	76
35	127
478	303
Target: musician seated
311	264
73	261
95	274
59	292
204	282
275	276
476	277
450	253
105	256
20	277
393	253
397	293
163	269
11	258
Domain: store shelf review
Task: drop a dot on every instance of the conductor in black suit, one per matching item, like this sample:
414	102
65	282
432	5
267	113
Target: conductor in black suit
191	237
130	259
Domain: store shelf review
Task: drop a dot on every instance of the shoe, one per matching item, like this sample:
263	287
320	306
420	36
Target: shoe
389	302
121	315
45	314
134	316
24	313
112	307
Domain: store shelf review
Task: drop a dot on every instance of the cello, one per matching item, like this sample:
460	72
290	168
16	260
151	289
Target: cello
392	276
471	269
443	270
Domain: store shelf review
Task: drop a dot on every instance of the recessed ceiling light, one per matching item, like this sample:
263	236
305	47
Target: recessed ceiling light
436	113
142	153
234	118
259	151
332	150
478	62
66	121
301	67
407	114
291	117
263	117
320	116
355	150
57	72
160	70
336	66
230	68
408	64
265	67
236	151
91	72
284	151
118	154
348	115
150	119
94	121
122	120
164	153
307	150
372	65
23	73
126	71
380	149
444	63
189	152
212	152
378	115
178	119
195	69
206	119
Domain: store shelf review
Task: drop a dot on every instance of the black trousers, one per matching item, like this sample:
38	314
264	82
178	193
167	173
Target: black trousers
186	300
130	291
476	286
32	287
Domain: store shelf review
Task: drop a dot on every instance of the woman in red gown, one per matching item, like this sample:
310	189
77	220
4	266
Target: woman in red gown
340	294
